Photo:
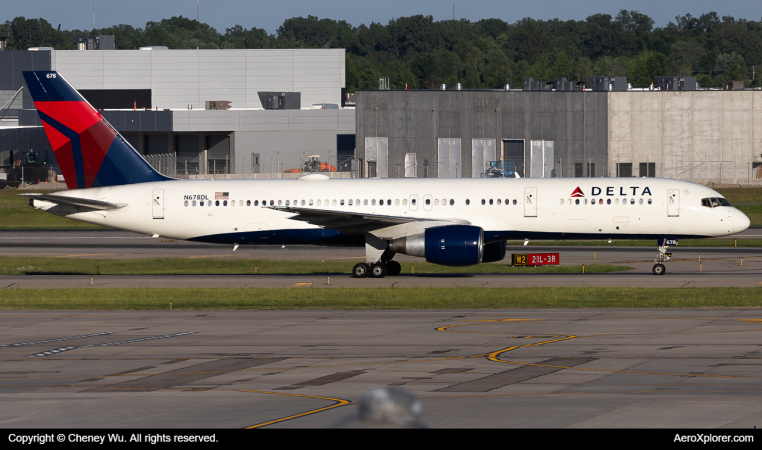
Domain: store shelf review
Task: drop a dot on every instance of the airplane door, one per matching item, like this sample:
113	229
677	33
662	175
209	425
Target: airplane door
530	202
673	203
157	201
413	203
427	202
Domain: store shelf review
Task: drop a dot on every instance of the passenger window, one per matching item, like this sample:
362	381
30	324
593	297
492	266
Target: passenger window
576	202
468	202
311	202
373	202
280	202
608	201
428	201
514	201
240	202
232	202
201	203
365	202
404	202
350	202
499	202
286	202
341	202
256	202
600	202
248	202
318	202
640	201
396	202
616	202
483	202
194	203
357	202
414	201
568	201
334	202
216	203
186	202
490	201
632	201
389	202
436	202
649	201
586	201
562	202
272	202
381	202
452	201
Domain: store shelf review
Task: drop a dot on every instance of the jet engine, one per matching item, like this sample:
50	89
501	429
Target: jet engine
450	245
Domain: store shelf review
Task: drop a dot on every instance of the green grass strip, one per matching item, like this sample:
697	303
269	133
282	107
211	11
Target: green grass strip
21	265
701	243
377	298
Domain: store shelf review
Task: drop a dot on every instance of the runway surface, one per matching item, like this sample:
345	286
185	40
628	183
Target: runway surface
513	369
705	266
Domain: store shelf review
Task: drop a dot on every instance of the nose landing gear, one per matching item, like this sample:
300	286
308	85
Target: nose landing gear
662	256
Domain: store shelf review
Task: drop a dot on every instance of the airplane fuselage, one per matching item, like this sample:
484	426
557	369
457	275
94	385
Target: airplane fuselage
245	211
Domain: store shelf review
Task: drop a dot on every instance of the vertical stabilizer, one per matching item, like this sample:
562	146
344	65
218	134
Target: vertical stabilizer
89	151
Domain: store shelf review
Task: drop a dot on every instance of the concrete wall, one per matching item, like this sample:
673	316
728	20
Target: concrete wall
179	78
681	130
413	121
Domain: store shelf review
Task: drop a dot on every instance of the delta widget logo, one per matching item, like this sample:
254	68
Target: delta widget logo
578	193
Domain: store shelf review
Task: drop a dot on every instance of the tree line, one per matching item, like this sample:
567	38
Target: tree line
422	53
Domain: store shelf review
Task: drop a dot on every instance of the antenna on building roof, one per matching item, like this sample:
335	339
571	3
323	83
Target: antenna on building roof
93	15
453	11
198	12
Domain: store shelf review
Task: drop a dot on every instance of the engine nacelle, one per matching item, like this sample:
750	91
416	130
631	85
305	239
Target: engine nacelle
450	245
494	251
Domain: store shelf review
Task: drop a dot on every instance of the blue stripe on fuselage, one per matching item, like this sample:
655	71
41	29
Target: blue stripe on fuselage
272	237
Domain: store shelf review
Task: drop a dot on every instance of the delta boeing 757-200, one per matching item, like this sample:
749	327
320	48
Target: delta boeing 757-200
452	222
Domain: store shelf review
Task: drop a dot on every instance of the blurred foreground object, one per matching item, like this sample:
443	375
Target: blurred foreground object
387	407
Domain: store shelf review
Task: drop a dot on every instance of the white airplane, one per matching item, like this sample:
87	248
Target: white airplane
453	222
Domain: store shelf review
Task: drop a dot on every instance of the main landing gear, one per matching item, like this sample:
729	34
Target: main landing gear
661	257
376	270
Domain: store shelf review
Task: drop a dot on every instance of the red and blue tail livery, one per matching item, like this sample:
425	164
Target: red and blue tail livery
89	151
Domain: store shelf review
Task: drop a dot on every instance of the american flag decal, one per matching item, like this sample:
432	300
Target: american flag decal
221	195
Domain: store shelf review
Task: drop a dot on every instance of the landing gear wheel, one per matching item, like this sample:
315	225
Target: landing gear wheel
659	269
360	270
378	270
393	268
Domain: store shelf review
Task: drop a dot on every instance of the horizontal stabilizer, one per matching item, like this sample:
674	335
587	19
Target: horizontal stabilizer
74	201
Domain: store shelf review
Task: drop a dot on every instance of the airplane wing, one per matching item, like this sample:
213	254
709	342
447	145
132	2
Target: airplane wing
74	201
352	222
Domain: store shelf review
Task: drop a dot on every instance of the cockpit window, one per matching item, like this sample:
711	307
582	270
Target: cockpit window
713	202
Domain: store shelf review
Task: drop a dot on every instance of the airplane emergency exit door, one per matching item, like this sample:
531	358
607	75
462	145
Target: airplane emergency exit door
530	202
157	202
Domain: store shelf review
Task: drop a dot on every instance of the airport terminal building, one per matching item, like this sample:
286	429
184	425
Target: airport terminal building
173	103
707	136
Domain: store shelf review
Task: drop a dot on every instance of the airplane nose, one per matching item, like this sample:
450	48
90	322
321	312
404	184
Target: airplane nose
740	221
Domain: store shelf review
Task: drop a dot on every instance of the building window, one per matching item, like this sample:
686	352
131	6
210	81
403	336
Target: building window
648	169
756	170
624	170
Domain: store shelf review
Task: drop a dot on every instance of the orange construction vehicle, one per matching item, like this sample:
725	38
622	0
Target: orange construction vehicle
313	165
